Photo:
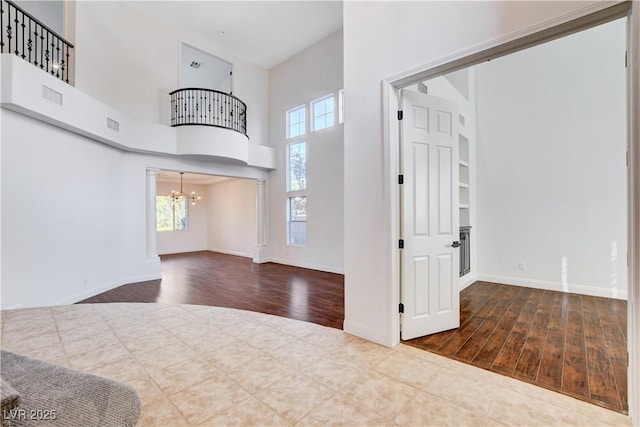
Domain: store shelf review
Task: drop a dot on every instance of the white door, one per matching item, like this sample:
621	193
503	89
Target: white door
430	263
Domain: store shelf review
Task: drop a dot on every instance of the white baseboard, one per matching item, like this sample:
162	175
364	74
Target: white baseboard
304	265
366	333
236	253
555	286
467	280
182	251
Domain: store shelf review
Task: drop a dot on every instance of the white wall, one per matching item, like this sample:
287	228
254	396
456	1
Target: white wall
49	12
382	40
194	238
231	206
305	77
551	165
213	72
132	66
73	212
61	213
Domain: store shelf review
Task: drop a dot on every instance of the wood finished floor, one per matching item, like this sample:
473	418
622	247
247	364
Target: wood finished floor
574	344
211	278
569	343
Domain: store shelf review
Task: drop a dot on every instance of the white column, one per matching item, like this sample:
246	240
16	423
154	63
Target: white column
152	251
261	218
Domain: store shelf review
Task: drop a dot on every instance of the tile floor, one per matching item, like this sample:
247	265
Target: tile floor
200	365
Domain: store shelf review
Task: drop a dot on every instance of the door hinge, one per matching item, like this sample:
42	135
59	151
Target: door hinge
627	157
626	58
401	244
400	179
400	115
401	308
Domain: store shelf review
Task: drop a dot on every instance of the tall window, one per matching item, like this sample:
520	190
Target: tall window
323	112
296	122
171	216
297	220
297	166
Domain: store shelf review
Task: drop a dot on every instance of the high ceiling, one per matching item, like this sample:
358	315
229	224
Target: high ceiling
262	32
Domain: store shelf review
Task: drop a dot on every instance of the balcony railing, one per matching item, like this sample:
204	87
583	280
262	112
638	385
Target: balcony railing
31	40
207	107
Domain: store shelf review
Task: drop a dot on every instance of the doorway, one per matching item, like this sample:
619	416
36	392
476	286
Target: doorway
438	71
222	216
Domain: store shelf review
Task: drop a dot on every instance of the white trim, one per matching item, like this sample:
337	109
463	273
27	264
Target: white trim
236	253
390	126
303	265
467	280
183	251
633	206
373	335
555	286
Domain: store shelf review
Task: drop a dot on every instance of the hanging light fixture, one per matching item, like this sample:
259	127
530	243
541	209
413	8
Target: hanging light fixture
175	196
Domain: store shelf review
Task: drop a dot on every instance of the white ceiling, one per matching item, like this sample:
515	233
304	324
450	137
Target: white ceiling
189	178
263	32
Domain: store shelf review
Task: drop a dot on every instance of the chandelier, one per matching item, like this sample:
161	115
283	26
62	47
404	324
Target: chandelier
175	196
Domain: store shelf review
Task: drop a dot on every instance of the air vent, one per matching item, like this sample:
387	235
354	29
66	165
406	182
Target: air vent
51	95
113	125
195	64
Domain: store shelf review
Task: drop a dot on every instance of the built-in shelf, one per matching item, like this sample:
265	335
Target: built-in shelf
464	190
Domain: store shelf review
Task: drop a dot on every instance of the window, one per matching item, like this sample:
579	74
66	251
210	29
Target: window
323	116
296	122
341	106
297	166
171	216
297	221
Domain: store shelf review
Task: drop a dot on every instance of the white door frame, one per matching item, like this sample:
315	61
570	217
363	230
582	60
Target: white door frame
589	16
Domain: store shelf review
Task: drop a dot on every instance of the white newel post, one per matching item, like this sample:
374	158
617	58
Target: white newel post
152	251
261	217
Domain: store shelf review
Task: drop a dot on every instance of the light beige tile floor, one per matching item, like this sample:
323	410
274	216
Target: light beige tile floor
207	366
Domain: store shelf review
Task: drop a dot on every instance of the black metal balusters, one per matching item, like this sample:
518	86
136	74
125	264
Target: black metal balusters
207	107
25	36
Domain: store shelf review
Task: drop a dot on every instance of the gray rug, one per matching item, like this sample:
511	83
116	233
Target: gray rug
53	395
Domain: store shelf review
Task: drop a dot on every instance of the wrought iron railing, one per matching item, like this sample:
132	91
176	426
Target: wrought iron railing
31	40
207	107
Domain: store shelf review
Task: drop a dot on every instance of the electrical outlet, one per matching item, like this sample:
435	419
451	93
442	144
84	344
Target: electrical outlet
522	266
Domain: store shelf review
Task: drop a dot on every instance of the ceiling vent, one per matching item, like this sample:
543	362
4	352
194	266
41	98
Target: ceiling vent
196	64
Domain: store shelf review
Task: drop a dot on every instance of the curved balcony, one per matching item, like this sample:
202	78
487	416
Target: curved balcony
207	107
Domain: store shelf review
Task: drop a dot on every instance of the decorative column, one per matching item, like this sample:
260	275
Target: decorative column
152	191
261	218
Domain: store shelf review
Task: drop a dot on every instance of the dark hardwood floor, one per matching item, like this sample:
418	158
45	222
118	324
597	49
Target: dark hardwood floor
574	344
210	278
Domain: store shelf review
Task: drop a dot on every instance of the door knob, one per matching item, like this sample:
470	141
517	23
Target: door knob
455	244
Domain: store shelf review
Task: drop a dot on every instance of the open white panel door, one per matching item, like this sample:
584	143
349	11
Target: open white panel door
430	219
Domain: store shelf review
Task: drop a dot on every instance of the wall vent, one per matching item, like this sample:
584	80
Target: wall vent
113	125
51	95
195	64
